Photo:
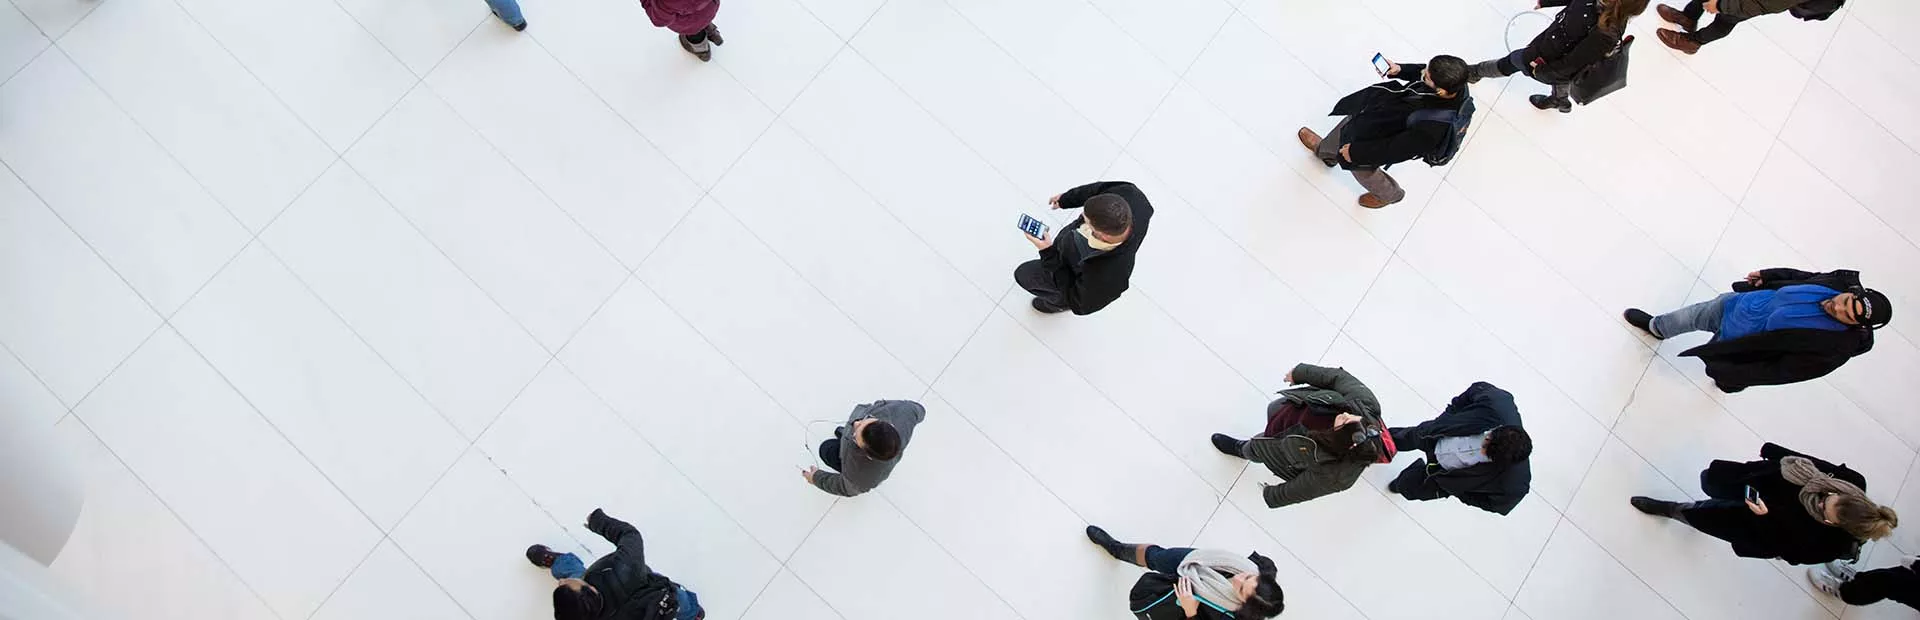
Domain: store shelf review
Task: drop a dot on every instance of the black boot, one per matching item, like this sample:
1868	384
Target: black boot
1545	102
1119	551
1658	508
1229	446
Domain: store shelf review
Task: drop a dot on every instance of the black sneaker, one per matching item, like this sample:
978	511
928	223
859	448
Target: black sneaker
541	556
1639	318
1043	307
1228	445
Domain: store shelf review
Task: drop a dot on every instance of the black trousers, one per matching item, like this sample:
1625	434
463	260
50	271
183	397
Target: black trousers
1034	277
1722	23
1900	583
830	452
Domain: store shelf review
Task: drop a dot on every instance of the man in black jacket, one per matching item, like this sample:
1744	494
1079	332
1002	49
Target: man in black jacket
619	586
1379	131
1088	263
1778	326
1476	451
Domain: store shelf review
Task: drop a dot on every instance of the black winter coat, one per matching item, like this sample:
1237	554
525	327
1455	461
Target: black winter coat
1786	531
1089	283
1152	599
630	589
1573	42
1488	486
1783	356
1377	133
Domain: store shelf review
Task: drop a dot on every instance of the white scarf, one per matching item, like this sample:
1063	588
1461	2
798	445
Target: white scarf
1202	567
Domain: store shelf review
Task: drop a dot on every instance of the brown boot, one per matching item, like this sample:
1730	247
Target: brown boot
1309	139
1676	17
1371	201
1679	42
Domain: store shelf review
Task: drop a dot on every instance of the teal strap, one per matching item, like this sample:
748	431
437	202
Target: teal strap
1156	603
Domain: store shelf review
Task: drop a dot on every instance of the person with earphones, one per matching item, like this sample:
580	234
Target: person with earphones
1778	326
1581	35
864	451
1319	438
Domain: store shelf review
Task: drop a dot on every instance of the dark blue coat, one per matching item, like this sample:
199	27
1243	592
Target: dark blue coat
1492	487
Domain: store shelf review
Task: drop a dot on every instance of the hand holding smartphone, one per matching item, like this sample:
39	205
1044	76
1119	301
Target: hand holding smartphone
1754	503
1033	227
1380	64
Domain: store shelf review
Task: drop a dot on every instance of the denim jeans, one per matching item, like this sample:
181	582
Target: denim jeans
1166	561
1700	317
508	10
568	566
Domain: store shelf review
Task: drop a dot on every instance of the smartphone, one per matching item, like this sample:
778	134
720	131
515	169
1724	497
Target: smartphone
1032	226
1380	64
1753	496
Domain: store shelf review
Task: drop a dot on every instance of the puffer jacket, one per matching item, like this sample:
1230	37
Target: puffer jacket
1308	470
681	16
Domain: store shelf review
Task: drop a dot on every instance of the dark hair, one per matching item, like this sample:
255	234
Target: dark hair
1509	444
1615	13
1109	214
1449	73
575	604
1268	599
1338	441
882	440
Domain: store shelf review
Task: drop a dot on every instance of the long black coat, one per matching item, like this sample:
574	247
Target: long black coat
1783	356
630	589
1492	487
1573	42
1377	131
1089	283
1786	531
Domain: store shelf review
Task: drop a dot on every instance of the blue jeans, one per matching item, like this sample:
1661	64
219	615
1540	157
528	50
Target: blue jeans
1700	317
569	566
508	10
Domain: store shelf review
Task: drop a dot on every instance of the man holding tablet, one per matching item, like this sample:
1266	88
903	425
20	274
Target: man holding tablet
1089	263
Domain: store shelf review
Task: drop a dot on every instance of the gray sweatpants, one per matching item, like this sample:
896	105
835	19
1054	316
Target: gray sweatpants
1375	180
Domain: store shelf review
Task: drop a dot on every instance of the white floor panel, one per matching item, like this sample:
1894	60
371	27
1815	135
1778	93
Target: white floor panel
342	305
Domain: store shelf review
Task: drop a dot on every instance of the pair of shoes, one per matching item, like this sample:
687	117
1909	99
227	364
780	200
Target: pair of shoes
1044	307
1546	102
541	556
1106	541
704	49
1371	201
1639	318
1827	578
1676	17
1655	507
520	27
1678	41
1228	445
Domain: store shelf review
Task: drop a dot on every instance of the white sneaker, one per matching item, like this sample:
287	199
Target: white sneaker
1824	580
1841	569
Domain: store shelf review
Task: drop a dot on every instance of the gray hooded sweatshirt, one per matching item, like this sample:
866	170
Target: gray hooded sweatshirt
860	473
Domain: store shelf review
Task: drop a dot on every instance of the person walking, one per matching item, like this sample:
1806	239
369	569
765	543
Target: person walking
1726	15
1778	326
1477	451
508	11
1787	505
1089	263
1318	439
618	586
692	20
1839	579
865	450
1183	582
1410	115
1581	36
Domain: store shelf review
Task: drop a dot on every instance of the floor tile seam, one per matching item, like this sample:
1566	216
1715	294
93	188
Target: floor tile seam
30	59
1685	62
1869	25
417	77
415	563
1256	386
779	110
65	410
206	191
52	37
892	214
1911	240
1514	603
1114	405
1033	73
177	518
953	558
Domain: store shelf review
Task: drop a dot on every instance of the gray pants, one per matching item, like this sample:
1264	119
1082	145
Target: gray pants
1700	317
1375	180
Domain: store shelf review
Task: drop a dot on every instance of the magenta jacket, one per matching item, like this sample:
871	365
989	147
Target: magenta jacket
681	16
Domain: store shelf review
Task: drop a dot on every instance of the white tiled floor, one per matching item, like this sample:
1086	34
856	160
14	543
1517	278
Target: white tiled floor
341	304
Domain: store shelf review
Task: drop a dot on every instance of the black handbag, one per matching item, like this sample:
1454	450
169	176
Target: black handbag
1604	77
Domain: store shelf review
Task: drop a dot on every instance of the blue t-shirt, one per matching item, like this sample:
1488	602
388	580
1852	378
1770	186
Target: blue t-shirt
1788	307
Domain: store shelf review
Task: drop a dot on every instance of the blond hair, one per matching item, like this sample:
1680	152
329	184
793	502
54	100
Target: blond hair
1864	519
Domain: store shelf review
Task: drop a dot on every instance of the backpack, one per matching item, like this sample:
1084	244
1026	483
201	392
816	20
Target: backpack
1817	10
1459	121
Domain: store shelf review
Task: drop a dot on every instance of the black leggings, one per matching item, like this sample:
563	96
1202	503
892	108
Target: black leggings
1899	583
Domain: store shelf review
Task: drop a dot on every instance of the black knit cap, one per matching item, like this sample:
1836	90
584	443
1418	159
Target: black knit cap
1875	309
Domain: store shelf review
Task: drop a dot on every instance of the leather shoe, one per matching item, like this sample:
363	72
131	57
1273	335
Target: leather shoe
1676	17
1308	139
1679	42
1370	201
